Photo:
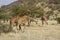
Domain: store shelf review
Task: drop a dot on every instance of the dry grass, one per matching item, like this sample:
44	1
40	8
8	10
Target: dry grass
35	32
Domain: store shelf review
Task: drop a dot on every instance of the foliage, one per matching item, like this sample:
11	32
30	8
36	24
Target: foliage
18	10
5	28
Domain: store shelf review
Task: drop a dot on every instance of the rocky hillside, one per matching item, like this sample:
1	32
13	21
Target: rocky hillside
46	5
51	3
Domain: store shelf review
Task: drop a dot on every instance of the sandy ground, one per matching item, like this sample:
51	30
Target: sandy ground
35	32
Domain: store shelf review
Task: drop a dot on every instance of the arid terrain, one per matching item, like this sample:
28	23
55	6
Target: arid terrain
35	32
35	9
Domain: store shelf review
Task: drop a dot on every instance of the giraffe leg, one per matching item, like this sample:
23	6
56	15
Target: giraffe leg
42	23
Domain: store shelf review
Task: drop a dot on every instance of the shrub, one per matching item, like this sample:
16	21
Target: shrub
5	28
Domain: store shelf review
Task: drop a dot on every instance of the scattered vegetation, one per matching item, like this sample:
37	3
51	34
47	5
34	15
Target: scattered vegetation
31	8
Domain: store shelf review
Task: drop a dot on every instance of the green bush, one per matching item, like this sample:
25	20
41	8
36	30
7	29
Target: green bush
5	28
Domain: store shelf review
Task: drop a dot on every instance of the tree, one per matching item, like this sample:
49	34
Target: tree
18	10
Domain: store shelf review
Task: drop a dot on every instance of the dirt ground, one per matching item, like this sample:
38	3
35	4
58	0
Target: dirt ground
35	32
